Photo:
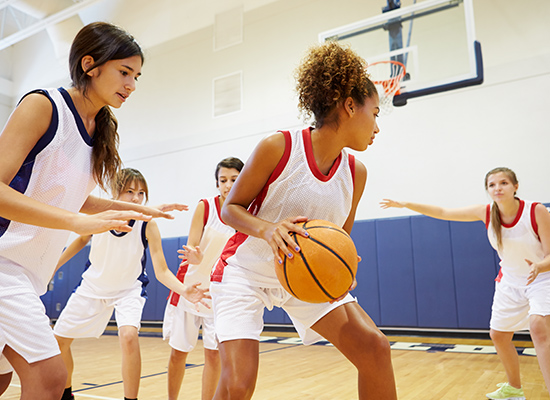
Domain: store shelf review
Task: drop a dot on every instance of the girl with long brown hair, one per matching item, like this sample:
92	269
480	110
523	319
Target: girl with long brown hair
57	145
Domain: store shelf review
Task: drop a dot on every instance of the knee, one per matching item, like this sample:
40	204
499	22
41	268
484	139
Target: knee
369	346
538	328
212	357
499	337
178	357
237	388
128	337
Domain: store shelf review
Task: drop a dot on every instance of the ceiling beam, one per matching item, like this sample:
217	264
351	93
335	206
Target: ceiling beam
44	23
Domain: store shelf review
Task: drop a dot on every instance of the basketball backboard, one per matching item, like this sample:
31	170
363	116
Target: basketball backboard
433	39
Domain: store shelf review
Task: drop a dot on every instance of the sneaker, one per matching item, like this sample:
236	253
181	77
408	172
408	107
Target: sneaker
506	392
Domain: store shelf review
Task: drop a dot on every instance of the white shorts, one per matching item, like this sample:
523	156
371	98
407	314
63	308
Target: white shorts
512	305
25	328
181	327
239	310
85	316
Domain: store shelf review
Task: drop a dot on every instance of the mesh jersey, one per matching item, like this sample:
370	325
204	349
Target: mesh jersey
58	172
520	241
215	235
296	187
116	263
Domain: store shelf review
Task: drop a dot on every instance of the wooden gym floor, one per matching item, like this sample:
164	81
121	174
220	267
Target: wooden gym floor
425	369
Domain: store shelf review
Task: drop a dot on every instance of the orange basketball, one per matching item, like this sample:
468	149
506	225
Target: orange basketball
325	267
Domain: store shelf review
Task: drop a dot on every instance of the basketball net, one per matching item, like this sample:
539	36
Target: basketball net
386	76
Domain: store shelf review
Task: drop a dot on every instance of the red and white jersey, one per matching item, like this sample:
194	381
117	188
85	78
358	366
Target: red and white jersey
520	241
215	235
58	172
295	188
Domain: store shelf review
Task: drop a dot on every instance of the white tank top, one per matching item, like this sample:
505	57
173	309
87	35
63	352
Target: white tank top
296	187
116	263
58	172
520	241
214	237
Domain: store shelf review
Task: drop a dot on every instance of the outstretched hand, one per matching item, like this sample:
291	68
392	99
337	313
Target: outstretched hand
388	203
277	235
105	221
192	255
196	295
161	211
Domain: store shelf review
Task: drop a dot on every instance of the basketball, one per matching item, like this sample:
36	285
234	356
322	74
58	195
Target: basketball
325	267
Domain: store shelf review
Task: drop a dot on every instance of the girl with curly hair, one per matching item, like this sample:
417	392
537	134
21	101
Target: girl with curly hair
292	177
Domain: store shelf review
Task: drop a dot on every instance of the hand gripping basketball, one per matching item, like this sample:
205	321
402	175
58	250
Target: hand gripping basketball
326	266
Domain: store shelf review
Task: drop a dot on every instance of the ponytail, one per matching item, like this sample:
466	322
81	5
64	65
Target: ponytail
106	160
496	223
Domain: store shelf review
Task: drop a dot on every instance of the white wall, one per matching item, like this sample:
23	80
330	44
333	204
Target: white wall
436	149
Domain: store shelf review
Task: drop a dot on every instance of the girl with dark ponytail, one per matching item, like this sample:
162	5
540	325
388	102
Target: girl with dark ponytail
57	145
520	232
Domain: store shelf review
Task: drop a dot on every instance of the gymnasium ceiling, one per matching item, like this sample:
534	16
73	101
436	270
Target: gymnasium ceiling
152	21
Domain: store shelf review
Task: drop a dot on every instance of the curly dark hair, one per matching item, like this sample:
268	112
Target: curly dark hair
327	75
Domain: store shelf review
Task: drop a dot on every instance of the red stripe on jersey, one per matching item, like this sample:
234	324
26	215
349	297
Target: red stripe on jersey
306	137
488	216
351	161
219	208
534	219
206	211
518	215
229	250
257	202
173	296
499	276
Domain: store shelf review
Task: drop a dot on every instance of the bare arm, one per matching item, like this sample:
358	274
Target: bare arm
72	250
465	214
359	187
192	293
94	204
191	252
252	179
26	126
542	216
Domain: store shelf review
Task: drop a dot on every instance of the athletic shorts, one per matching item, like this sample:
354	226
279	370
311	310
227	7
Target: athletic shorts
512	305
239	310
25	328
85	316
181	327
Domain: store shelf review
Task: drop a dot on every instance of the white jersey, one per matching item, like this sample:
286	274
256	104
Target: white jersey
57	171
116	263
296	187
520	241
215	235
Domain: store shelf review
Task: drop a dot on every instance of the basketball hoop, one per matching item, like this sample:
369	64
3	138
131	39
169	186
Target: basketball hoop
386	76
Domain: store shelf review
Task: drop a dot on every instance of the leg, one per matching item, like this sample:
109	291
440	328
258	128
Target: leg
211	373
176	371
353	332
508	355
5	380
131	360
44	380
540	333
67	356
239	362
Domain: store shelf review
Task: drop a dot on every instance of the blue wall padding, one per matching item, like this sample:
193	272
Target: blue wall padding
434	275
368	291
396	272
475	271
415	272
